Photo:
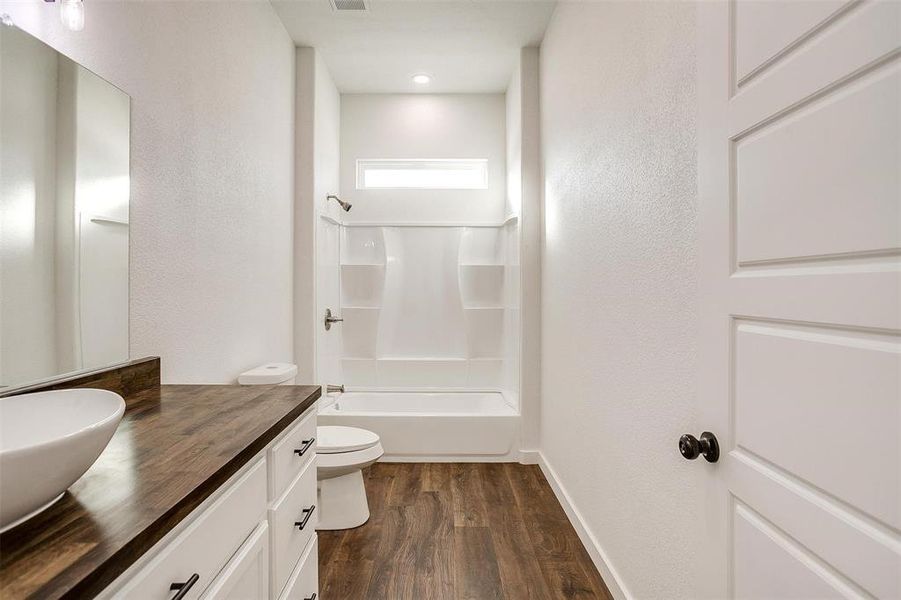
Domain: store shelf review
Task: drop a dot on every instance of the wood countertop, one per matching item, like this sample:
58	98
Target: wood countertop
175	446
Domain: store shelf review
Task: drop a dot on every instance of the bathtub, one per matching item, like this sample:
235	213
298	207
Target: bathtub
430	426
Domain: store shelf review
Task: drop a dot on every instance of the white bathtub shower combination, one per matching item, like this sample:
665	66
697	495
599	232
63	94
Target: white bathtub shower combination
430	426
428	348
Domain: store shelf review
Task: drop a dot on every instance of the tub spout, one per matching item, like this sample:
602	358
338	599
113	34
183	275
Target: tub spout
331	389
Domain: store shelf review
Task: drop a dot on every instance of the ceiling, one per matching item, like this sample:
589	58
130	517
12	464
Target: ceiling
467	46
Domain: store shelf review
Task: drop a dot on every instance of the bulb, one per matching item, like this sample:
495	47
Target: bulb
422	78
71	13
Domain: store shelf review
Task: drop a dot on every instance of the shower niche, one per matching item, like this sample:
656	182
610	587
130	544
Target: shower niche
425	306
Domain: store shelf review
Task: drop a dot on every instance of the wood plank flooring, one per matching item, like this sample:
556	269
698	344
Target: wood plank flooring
458	531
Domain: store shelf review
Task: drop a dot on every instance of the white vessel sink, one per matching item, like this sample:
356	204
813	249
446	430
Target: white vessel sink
47	441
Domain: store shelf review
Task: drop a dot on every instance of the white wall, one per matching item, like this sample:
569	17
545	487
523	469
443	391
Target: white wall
318	116
423	126
618	282
27	210
523	276
212	88
511	234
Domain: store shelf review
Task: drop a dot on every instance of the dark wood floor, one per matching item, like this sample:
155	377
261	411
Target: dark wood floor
457	532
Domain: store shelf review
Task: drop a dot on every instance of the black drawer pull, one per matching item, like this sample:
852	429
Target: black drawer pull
306	446
308	512
313	597
183	587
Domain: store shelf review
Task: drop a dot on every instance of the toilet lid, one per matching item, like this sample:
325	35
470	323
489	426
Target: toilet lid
332	439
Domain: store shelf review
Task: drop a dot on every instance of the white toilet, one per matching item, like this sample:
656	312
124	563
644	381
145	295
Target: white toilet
341	455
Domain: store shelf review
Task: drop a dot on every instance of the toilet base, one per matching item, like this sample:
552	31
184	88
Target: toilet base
342	502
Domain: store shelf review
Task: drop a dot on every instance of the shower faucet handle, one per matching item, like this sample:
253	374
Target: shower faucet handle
329	319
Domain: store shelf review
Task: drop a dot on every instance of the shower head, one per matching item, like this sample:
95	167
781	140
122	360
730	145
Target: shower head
345	205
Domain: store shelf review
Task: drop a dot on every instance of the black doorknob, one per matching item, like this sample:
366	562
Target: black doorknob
692	447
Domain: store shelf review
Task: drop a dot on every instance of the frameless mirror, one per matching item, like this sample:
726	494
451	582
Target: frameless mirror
64	190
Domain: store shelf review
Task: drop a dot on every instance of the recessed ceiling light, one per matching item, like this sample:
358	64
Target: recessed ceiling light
422	79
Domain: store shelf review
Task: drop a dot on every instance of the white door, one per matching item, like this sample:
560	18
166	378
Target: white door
800	155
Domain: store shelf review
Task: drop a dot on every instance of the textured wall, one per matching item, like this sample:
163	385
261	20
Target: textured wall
212	161
618	280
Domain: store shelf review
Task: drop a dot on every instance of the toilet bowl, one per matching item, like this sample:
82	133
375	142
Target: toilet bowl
341	455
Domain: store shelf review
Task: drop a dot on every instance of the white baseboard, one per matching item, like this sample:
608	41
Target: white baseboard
529	457
449	458
523	457
600	558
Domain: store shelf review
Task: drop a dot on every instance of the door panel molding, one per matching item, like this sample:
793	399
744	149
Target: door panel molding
813	21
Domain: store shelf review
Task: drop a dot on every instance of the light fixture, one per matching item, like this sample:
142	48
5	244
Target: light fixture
71	13
422	79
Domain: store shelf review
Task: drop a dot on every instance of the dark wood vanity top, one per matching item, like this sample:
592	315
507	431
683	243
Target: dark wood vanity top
175	446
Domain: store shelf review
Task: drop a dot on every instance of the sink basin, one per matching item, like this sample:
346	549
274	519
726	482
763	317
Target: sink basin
47	441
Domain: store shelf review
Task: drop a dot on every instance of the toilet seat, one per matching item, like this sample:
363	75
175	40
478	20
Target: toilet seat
338	463
335	439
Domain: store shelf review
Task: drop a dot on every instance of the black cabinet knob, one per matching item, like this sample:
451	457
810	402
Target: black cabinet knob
707	446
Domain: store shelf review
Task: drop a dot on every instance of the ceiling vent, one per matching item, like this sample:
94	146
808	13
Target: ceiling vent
349	5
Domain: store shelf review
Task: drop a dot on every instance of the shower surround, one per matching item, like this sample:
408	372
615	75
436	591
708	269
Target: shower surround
427	344
423	307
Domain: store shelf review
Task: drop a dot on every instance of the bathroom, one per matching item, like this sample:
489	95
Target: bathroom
338	299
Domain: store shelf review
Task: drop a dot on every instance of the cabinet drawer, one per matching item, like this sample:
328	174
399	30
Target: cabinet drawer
304	581
291	454
296	508
207	543
246	576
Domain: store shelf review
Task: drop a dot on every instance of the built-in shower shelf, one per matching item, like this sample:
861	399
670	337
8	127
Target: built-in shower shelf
358	307
482	286
482	265
478	307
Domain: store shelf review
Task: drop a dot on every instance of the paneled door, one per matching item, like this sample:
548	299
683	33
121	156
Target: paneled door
800	155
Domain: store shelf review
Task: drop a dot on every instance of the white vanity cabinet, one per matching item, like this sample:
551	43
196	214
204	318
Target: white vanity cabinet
255	537
292	510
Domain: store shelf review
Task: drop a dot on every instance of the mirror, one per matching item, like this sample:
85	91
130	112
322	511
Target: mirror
64	191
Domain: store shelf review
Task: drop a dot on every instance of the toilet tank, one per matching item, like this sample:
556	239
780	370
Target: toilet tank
268	374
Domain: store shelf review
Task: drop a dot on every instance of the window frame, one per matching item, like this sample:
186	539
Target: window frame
422	164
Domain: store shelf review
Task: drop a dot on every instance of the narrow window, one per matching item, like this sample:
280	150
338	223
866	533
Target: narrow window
422	174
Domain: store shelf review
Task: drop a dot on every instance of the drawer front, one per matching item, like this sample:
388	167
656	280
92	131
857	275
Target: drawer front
304	581
291	454
246	576
208	542
296	508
